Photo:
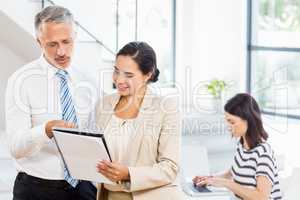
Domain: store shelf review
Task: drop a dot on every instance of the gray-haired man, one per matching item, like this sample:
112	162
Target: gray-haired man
39	96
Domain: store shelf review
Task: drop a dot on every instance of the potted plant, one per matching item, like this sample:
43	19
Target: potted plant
216	88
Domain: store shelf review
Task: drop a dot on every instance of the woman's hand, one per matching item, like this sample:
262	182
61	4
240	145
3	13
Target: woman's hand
214	181
113	171
198	180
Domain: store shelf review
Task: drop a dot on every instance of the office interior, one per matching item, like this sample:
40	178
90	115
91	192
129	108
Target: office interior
252	46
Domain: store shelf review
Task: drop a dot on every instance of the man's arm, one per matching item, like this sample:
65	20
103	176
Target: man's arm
24	139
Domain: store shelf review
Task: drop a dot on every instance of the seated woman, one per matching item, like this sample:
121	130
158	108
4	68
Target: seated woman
142	130
254	173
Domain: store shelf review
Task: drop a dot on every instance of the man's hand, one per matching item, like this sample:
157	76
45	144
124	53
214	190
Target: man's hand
57	123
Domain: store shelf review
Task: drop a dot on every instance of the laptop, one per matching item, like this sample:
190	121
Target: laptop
194	162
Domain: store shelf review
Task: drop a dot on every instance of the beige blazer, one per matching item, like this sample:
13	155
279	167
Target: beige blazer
154	152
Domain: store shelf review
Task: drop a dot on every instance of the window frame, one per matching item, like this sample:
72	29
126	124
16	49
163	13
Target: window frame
252	48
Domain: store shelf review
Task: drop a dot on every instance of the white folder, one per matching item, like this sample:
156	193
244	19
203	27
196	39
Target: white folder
81	151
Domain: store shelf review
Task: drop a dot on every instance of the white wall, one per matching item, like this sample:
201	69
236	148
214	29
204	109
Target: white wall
22	12
211	41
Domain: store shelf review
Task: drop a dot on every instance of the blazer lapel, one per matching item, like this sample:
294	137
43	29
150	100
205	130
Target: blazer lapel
137	137
107	110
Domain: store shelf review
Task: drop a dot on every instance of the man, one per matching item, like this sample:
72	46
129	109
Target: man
41	95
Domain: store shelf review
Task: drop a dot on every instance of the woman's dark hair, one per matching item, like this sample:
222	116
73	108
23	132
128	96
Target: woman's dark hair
144	55
244	106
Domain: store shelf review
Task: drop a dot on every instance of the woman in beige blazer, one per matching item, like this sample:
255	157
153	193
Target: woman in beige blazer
142	130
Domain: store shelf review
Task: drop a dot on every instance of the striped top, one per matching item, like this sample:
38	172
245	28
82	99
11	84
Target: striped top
259	161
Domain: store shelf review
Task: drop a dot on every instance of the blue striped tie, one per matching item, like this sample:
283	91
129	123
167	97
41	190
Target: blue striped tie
68	113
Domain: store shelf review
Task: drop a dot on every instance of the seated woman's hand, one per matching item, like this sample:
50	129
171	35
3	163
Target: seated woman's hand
113	171
214	181
199	180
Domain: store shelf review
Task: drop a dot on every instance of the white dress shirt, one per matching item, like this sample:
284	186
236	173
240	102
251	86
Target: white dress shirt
32	99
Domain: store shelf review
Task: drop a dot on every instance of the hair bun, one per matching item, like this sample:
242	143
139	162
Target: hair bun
155	75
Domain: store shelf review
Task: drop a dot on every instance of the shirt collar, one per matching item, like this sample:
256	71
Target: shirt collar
51	70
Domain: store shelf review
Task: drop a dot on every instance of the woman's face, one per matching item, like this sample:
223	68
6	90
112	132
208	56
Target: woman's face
237	126
127	76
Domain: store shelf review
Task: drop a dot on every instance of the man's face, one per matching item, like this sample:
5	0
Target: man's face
57	43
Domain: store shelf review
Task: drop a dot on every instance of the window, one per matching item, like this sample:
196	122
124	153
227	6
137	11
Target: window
153	22
274	55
